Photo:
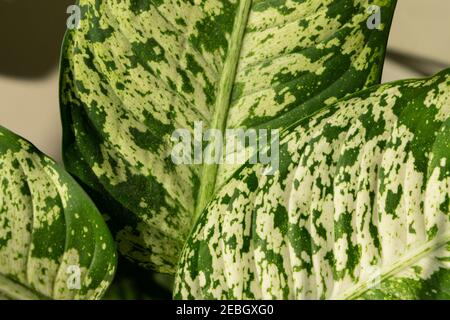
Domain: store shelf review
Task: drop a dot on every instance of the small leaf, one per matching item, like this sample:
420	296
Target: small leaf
54	243
137	71
358	209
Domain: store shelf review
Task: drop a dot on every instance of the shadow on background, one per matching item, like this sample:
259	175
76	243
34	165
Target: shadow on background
31	33
421	65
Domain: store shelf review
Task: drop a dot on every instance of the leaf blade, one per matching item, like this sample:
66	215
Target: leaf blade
48	226
361	197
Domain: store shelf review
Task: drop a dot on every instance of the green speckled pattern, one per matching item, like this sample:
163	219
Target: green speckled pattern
359	208
48	226
136	70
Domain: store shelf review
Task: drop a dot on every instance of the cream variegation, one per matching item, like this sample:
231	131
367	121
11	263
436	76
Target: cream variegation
358	210
54	243
137	70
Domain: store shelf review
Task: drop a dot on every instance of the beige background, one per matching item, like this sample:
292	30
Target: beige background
29	76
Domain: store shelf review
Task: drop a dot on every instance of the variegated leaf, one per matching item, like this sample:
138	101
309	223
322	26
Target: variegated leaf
358	209
54	243
137	70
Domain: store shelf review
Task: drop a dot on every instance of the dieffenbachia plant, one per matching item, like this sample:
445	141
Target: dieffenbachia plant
358	209
136	71
54	244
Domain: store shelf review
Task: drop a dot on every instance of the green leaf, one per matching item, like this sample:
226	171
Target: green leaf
54	243
359	208
136	71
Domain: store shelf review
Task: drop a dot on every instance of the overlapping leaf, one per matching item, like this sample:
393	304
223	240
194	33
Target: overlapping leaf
135	71
54	243
358	209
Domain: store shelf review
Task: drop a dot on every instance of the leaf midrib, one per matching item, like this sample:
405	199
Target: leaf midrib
222	104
